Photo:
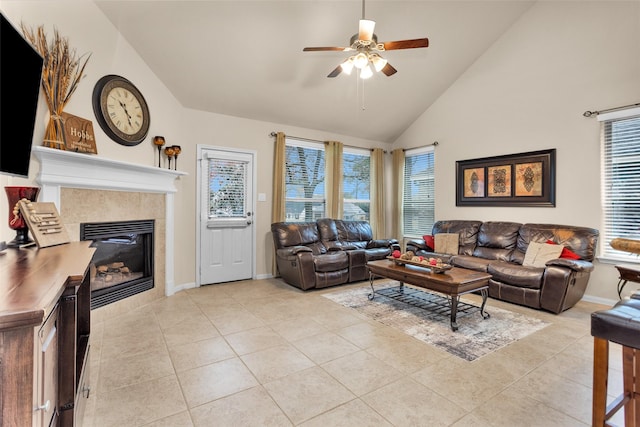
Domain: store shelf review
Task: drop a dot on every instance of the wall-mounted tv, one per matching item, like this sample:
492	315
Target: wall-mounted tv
20	76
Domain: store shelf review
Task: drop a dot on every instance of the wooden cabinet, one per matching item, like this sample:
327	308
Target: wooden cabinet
45	323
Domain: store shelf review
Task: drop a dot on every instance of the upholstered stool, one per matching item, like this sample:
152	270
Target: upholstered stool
619	324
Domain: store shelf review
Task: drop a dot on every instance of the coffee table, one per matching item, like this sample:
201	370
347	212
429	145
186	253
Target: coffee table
452	283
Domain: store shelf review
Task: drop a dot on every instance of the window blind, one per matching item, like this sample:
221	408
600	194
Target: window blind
304	181
621	182
419	192
356	184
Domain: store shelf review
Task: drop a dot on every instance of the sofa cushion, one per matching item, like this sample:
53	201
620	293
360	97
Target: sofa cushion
497	240
288	234
332	261
516	275
538	254
566	253
581	240
471	262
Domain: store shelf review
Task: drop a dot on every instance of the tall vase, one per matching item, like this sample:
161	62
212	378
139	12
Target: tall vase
16	221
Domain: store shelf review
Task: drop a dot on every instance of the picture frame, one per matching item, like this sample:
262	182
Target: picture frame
523	179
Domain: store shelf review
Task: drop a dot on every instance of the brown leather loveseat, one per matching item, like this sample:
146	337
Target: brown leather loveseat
327	252
501	249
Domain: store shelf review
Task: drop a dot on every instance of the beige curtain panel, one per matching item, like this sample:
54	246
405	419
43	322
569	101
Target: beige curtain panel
377	209
397	183
333	177
278	202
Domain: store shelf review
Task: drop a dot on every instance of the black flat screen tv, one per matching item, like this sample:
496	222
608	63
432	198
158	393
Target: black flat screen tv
20	77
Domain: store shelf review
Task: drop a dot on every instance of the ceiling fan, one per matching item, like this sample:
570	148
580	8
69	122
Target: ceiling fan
367	51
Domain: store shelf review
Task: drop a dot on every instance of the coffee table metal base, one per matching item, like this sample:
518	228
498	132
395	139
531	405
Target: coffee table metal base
433	301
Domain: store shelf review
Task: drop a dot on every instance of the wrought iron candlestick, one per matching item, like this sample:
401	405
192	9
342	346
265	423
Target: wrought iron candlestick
159	142
176	150
170	152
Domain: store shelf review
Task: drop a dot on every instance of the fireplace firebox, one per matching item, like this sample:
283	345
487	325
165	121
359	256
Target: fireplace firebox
122	264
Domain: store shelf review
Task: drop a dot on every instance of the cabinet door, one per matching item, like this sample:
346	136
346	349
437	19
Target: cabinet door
46	400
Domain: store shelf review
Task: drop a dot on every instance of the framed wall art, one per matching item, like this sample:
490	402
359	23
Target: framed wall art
524	179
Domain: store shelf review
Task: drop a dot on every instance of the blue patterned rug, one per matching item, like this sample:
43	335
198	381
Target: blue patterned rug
405	310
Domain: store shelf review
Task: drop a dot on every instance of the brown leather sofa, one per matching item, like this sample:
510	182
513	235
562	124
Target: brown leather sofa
499	249
327	252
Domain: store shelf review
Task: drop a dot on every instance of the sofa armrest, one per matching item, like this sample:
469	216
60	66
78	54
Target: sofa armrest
381	243
575	265
292	250
414	244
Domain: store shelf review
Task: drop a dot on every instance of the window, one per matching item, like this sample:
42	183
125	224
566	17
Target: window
304	181
621	180
227	190
356	184
419	191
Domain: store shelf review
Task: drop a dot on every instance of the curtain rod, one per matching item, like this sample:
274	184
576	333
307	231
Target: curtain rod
274	134
594	113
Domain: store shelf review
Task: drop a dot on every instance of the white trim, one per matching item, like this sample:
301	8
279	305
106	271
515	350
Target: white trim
419	150
598	300
66	169
619	114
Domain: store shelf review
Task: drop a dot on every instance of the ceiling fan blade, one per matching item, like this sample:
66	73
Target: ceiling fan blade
335	72
388	70
365	29
320	49
406	44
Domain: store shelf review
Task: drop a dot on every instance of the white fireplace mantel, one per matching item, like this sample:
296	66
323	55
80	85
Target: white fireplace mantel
66	169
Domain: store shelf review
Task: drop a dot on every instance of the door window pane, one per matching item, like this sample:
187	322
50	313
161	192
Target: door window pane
227	188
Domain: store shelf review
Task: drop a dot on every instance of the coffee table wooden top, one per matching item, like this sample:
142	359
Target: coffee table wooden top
452	282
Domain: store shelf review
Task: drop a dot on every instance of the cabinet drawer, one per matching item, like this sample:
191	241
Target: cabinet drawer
46	387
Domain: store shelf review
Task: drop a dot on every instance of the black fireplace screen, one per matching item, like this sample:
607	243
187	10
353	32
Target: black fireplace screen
122	265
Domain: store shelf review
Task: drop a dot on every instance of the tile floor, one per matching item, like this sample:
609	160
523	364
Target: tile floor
262	353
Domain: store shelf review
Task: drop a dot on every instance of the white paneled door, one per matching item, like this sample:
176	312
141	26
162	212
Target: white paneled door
226	207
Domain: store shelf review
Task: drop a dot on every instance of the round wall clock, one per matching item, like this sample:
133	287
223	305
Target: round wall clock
121	110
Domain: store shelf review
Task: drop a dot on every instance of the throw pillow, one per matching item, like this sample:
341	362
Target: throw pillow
446	243
538	254
428	240
566	252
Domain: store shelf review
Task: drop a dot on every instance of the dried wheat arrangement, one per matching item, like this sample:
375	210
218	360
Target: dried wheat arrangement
62	71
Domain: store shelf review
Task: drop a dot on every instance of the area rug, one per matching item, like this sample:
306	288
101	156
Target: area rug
404	309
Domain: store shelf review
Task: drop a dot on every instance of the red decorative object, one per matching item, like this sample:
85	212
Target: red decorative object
566	253
16	221
429	241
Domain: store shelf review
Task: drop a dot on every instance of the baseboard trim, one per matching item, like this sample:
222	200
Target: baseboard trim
599	300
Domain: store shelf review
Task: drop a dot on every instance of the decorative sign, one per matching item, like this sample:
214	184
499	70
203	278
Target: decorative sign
44	223
78	134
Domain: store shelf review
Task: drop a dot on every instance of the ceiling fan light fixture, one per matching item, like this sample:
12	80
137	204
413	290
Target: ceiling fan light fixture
365	31
360	60
347	66
378	62
366	72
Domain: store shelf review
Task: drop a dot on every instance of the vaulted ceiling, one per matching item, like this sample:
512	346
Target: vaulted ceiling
245	58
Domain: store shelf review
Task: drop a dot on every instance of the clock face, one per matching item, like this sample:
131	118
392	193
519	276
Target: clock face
121	110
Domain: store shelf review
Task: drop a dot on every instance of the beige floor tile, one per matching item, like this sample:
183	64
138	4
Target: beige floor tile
408	403
509	409
193	329
361	372
407	354
206	383
306	394
368	334
237	321
139	404
252	407
325	347
200	353
137	342
556	392
275	362
254	340
182	419
140	321
125	371
354	413
298	328
339	318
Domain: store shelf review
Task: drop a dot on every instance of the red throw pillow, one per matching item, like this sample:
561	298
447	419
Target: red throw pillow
566	253
429	241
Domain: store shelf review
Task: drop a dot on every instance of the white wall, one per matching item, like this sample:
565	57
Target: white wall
528	92
89	30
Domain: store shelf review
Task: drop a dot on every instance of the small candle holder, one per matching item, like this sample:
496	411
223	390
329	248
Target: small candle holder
176	150
158	141
170	152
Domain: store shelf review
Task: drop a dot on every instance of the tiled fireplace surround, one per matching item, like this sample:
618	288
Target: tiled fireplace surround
87	188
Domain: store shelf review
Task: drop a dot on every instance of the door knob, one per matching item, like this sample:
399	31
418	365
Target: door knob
44	407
